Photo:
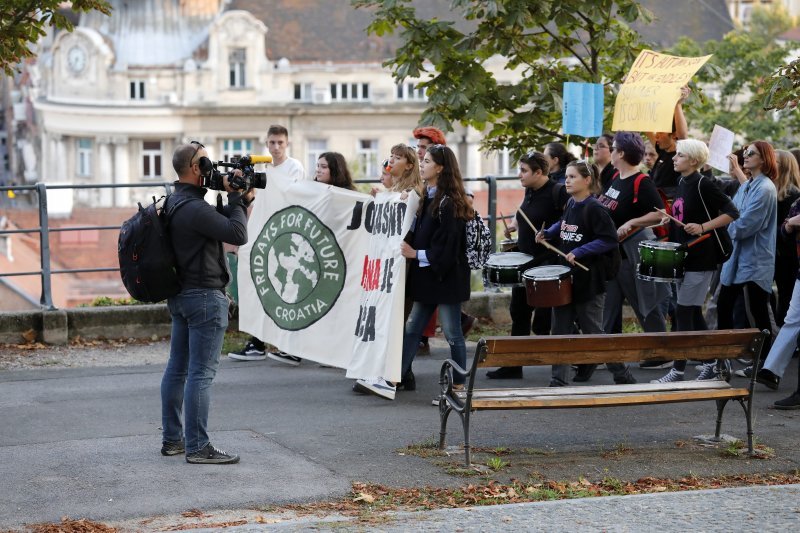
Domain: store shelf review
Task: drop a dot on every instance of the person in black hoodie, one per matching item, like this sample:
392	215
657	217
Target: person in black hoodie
557	157
586	232
200	310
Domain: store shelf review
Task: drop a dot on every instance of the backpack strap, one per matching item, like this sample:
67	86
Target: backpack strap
636	184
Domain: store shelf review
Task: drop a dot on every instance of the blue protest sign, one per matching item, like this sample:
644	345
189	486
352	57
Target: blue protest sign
583	109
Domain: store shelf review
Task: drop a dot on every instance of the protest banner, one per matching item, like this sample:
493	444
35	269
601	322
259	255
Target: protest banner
583	109
646	101
719	146
300	274
379	332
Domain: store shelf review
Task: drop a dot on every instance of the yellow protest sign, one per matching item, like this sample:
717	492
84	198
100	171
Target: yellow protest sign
646	101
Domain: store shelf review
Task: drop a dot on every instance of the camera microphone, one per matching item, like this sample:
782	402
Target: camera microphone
255	159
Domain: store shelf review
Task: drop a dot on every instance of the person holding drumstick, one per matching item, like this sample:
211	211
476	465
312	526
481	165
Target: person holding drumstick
586	232
543	204
633	209
700	207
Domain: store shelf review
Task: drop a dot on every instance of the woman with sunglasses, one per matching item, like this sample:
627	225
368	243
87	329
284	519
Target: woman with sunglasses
438	273
586	232
701	207
750	269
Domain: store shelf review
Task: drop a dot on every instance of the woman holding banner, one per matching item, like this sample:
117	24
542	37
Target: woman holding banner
438	273
332	170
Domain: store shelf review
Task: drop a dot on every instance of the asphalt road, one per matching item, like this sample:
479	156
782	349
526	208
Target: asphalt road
85	442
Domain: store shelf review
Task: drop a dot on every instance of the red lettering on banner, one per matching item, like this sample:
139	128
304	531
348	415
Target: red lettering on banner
370	278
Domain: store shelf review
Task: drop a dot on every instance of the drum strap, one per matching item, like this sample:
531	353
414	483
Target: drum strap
725	253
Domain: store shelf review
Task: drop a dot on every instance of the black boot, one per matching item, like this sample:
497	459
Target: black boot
409	382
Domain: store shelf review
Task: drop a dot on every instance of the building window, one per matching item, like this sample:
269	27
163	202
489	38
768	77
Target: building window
234	148
303	92
504	162
137	90
84	157
237	63
410	92
151	159
367	156
316	147
349	92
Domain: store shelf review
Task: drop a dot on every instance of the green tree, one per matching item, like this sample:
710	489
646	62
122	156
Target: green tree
546	42
24	22
735	80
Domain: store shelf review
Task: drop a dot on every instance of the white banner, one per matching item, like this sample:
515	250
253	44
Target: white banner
379	333
300	275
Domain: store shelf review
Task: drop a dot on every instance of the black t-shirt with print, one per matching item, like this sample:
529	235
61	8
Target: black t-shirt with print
664	174
688	208
584	222
542	206
618	199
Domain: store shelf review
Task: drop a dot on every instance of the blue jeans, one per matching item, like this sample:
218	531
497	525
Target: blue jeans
199	321
450	317
786	341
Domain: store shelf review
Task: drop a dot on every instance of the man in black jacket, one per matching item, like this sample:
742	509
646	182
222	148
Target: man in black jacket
200	311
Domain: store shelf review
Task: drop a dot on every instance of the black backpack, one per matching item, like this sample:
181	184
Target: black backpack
146	259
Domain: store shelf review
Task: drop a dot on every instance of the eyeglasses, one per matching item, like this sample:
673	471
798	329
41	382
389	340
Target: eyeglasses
198	146
614	148
750	153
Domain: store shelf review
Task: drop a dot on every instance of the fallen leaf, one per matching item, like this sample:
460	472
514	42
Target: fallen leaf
364	497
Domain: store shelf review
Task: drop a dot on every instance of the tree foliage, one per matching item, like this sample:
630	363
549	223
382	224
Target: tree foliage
546	43
735	80
24	22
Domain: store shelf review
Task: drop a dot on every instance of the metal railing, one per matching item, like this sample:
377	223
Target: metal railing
43	230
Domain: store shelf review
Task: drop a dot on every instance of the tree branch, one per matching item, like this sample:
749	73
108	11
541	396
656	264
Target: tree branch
567	47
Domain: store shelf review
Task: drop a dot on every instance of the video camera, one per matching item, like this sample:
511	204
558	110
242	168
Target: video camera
214	179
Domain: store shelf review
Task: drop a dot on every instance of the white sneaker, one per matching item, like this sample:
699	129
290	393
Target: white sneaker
379	387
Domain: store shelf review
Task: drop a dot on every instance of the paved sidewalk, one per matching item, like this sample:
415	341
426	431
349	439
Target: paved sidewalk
84	442
775	508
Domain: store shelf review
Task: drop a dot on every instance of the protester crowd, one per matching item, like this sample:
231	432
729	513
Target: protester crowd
731	244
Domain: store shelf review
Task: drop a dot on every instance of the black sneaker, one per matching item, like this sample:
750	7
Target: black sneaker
627	379
768	378
250	352
505	372
792	402
172	448
211	456
655	365
584	373
284	358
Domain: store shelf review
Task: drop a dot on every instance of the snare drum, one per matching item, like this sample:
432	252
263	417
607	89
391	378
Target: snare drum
504	269
661	261
548	286
509	245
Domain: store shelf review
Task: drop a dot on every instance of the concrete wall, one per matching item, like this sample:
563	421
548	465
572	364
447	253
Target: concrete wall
145	321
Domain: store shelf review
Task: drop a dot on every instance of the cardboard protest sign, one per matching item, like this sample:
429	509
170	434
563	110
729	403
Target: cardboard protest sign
646	101
583	109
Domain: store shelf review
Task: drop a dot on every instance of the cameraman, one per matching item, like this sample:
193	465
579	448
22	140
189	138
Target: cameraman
200	311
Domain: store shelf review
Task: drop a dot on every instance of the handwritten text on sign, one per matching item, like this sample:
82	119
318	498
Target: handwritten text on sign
646	101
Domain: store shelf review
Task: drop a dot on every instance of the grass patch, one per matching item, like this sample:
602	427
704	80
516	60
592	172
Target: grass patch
487	328
496	464
106	301
427	448
618	451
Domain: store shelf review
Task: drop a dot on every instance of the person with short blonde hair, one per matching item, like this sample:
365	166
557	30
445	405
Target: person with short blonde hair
695	150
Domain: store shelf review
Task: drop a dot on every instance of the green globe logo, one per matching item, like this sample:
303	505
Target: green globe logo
297	267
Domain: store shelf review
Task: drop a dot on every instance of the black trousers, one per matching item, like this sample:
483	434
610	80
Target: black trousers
756	302
526	319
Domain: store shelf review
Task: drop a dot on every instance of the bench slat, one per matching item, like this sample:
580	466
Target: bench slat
605	400
598	389
593	349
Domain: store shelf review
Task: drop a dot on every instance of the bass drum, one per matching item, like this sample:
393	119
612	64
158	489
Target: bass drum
548	286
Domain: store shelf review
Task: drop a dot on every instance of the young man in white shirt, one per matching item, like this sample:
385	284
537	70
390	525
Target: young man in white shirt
290	168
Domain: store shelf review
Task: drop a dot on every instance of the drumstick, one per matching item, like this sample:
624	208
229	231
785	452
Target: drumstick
503	220
701	238
672	218
550	246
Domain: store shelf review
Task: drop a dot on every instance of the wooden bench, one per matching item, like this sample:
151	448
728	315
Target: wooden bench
598	349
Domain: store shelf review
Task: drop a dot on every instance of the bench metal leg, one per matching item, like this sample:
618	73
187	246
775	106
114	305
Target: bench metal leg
748	413
467	450
444	412
720	408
